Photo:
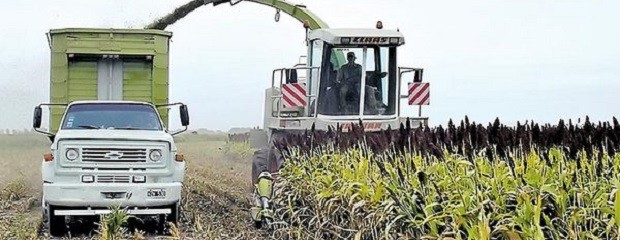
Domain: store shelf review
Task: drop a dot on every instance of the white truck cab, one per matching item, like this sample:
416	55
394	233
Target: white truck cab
111	153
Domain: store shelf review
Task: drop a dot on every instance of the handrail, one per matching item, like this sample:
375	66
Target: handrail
273	73
309	96
401	71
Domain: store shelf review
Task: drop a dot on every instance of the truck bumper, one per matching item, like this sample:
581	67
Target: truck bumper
92	212
94	195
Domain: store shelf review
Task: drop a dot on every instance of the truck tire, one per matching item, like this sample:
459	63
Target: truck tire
258	224
56	225
173	217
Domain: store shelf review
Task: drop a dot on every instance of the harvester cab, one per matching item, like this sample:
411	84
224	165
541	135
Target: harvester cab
350	75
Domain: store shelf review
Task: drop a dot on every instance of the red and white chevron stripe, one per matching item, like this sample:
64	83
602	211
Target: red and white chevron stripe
293	95
419	94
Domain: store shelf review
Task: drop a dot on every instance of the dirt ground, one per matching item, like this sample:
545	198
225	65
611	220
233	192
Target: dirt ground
216	193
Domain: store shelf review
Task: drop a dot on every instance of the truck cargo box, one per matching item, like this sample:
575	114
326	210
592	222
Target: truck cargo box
108	64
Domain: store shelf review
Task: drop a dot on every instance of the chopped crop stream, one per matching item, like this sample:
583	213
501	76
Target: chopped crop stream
178	13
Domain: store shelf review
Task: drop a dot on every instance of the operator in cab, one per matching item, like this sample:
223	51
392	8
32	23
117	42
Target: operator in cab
349	76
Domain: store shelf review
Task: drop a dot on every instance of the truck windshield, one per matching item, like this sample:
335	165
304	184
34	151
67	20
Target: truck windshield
112	116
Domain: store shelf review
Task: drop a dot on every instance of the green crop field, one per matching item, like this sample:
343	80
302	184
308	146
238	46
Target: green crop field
469	181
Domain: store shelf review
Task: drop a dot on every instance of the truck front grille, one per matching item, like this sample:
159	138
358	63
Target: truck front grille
113	179
111	155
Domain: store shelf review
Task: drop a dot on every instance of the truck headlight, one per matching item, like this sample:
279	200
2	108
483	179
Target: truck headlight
72	154
155	155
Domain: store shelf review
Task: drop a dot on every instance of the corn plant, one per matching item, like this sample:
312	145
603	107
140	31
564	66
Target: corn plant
347	190
111	225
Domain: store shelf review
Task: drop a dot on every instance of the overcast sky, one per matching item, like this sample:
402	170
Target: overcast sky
517	60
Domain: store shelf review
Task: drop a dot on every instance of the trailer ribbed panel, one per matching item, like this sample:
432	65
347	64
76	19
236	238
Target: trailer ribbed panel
74	56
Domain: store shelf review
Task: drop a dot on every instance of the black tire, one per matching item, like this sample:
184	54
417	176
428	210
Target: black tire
258	224
161	224
173	217
55	224
164	219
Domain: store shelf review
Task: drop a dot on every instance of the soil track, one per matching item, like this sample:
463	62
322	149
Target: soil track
217	197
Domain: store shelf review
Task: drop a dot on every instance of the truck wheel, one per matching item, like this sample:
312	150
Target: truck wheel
258	224
55	224
173	217
164	219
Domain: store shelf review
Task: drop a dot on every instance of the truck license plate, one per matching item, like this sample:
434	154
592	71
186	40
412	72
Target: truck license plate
156	193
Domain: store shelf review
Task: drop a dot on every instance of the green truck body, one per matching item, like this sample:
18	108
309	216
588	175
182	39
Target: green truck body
108	64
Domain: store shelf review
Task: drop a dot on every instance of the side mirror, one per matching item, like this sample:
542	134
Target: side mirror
184	115
36	121
417	75
291	75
